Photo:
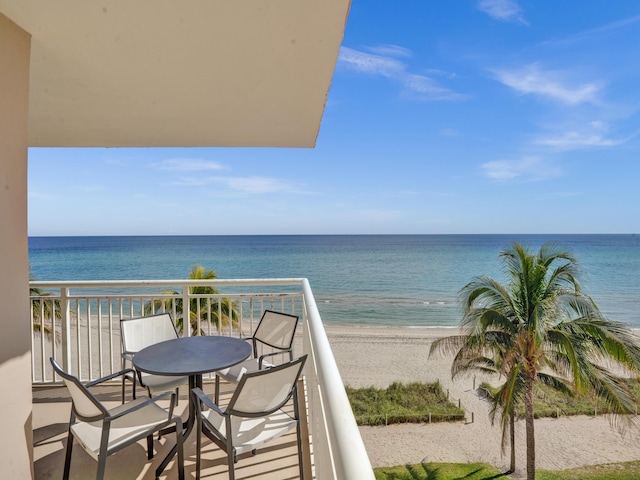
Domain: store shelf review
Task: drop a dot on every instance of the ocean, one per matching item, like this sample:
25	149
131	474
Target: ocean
366	280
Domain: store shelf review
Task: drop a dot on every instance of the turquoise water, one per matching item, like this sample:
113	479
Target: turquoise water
407	280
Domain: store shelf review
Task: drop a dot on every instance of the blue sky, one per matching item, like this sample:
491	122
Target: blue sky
485	116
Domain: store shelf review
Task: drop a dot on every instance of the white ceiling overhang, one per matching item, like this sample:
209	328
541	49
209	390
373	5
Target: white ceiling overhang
147	73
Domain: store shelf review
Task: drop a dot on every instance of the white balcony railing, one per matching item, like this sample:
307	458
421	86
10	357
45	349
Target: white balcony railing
78	324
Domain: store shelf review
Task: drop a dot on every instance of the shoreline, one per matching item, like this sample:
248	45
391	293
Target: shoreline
379	355
404	330
377	330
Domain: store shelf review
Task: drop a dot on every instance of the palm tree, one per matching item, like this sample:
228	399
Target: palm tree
541	327
495	357
44	311
222	312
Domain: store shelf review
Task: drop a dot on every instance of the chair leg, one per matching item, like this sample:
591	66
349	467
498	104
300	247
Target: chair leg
180	444
102	454
299	440
133	392
67	457
124	379
102	463
198	444
150	447
232	459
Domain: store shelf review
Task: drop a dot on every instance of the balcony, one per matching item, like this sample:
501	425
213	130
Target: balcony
85	337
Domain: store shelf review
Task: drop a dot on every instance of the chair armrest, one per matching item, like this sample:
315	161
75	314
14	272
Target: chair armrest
127	359
145	403
272	354
110	377
202	397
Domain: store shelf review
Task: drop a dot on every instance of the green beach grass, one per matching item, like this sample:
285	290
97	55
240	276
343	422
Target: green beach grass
483	471
426	402
402	403
551	403
439	471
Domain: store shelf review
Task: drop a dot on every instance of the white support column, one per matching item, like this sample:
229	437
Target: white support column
16	439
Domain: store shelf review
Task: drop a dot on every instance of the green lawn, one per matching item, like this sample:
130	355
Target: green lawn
609	471
483	471
402	403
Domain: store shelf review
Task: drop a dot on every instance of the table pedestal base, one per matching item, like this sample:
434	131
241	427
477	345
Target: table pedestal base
194	381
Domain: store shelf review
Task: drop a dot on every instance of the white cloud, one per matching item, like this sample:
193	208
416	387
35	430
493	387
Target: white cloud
384	64
527	168
450	132
427	88
370	64
578	140
189	165
256	185
442	73
503	10
391	51
533	80
250	185
593	134
597	32
34	195
200	181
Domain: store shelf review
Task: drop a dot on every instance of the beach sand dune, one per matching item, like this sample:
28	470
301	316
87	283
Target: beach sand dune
370	356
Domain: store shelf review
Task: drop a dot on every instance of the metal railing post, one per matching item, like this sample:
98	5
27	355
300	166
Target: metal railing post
307	467
66	328
186	312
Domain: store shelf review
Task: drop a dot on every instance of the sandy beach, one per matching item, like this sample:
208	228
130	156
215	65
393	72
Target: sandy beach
378	356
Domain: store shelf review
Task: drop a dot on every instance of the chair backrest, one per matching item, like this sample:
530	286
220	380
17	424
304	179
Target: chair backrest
85	405
276	329
265	391
138	333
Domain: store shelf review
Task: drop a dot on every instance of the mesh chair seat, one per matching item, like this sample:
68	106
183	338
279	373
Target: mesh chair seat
251	433
273	338
254	415
123	429
138	333
101	431
161	383
235	373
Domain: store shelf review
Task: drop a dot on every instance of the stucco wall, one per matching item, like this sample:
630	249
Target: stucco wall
15	347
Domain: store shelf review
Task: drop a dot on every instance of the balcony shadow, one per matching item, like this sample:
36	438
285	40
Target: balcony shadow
60	394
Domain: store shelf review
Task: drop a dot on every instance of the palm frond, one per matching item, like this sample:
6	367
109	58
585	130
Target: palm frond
221	312
540	328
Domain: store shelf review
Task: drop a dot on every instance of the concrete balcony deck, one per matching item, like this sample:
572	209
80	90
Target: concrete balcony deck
51	409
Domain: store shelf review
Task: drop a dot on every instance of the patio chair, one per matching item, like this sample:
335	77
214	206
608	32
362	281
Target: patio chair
274	333
254	416
101	431
138	333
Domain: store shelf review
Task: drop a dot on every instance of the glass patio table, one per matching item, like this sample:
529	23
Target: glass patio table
190	356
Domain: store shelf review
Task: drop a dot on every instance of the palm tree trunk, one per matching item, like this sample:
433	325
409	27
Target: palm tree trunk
531	441
512	424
